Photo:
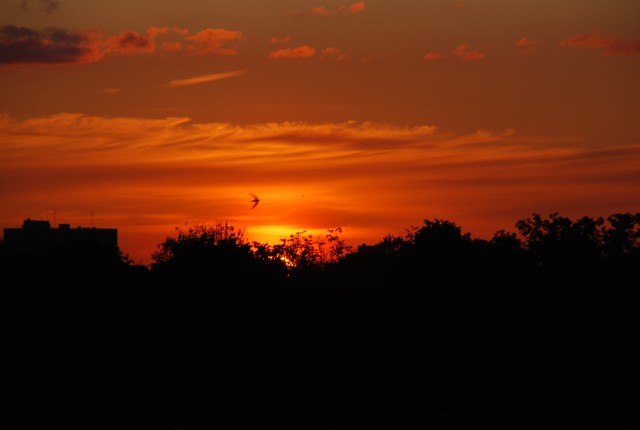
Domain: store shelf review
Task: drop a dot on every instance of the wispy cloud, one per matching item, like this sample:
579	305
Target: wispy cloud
466	53
130	42
332	53
214	41
195	80
525	41
610	45
278	40
351	9
433	56
23	46
111	90
304	51
47	6
369	178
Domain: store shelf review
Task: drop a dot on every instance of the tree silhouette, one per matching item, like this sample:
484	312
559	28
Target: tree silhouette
536	321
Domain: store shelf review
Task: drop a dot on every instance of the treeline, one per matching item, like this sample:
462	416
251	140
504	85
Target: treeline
532	328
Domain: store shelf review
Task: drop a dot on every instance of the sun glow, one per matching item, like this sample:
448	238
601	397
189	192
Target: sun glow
147	177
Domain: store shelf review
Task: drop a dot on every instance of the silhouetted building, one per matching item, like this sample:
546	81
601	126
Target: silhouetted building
38	238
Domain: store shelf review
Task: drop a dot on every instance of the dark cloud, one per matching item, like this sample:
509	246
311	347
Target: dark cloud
610	45
22	45
48	6
130	42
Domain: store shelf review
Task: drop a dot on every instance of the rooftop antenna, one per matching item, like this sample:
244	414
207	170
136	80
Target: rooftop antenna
55	219
91	218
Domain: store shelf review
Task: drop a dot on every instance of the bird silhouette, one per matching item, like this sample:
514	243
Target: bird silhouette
255	200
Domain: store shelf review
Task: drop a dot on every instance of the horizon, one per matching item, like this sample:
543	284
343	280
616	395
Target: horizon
315	234
371	116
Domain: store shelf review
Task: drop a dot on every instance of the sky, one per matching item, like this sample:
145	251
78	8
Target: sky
372	116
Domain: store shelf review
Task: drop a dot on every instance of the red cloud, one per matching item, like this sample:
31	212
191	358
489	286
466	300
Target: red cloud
52	46
172	46
525	41
342	10
334	53
321	11
466	54
130	42
433	56
356	7
611	45
303	51
133	43
56	46
212	41
276	40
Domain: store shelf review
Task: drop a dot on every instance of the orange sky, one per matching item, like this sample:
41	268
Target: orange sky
370	116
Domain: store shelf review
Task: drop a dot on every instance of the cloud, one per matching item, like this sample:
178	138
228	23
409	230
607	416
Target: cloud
610	45
195	80
356	7
111	90
213	41
146	176
465	53
352	9
334	54
303	51
433	56
370	178
591	40
172	46
48	6
130	42
525	41
277	40
23	46
52	46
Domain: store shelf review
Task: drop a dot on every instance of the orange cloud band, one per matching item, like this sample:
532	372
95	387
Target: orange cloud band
304	51
147	176
195	80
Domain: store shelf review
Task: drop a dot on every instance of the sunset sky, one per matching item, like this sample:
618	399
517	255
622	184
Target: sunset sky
146	115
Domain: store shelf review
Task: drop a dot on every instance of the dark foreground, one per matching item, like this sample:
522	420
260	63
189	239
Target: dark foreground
436	331
324	359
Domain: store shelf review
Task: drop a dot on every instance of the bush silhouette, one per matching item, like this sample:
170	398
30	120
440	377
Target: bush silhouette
537	321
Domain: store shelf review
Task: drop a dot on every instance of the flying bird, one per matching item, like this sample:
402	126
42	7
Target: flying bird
255	200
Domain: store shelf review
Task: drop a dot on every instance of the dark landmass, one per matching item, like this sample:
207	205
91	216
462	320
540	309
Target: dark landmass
534	329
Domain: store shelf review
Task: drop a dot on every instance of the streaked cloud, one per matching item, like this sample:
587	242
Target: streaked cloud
466	53
304	51
130	42
47	6
22	46
369	178
111	90
351	9
433	56
332	53
278	40
214	41
610	45
525	41
195	80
